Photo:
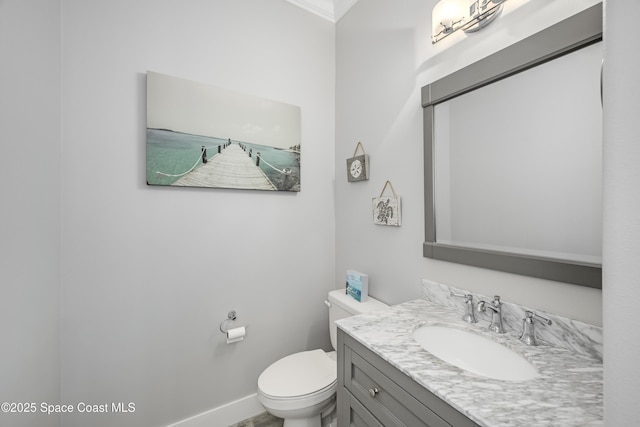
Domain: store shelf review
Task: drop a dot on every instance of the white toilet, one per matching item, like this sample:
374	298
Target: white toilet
301	387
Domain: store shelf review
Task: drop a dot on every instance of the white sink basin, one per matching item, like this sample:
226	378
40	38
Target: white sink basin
474	353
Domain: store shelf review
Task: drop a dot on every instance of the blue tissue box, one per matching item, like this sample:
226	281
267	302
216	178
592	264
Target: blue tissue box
357	285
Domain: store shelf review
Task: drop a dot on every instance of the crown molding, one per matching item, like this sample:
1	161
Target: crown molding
331	10
341	7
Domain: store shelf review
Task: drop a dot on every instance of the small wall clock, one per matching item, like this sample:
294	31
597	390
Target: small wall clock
358	165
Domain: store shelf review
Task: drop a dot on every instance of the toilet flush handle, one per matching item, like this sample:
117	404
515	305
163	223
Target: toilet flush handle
327	303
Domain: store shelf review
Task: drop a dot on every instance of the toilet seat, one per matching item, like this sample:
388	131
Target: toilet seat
304	375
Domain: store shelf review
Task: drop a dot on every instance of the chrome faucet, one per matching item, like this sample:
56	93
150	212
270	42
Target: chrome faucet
470	315
496	314
528	332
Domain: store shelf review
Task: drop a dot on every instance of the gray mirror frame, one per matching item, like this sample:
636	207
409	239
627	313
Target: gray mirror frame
571	34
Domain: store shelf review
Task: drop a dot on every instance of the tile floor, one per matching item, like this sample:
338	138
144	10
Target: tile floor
262	420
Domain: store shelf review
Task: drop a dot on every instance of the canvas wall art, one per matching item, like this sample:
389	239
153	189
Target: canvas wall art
199	135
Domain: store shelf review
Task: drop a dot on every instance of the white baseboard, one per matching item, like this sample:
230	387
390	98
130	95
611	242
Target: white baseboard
225	415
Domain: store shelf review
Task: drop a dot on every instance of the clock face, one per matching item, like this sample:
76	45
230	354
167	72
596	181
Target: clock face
356	168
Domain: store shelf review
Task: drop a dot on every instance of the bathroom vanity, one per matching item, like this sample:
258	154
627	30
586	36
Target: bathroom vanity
385	378
377	394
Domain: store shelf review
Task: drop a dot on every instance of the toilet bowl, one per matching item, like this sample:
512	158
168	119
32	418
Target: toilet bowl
301	387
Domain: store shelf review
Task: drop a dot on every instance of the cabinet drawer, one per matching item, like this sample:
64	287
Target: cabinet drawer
359	416
387	401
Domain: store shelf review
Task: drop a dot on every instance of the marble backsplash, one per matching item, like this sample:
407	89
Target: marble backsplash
571	334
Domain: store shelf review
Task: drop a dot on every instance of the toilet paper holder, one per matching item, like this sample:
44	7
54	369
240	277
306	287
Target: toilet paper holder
231	317
234	334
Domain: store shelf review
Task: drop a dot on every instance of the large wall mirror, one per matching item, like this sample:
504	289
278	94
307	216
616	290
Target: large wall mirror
513	157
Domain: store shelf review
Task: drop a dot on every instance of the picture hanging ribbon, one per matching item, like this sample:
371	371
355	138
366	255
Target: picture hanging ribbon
386	209
385	187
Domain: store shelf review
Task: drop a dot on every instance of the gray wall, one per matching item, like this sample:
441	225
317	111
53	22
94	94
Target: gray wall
30	216
383	57
621	291
150	272
147	274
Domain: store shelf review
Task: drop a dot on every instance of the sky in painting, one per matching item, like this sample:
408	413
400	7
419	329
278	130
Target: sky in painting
201	109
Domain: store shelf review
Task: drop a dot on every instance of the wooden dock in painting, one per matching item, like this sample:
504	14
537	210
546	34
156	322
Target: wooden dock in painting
232	168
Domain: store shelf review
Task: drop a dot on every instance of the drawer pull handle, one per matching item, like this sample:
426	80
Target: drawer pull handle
373	392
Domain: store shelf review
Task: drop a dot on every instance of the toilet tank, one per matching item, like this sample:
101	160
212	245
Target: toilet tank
342	305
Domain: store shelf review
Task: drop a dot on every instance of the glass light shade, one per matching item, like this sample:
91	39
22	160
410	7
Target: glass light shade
446	14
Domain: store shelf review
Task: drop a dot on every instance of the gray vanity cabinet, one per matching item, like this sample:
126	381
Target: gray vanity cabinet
371	393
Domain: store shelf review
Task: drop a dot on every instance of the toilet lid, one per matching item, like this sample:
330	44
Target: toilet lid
298	374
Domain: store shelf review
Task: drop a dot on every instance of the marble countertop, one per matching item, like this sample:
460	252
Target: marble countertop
568	390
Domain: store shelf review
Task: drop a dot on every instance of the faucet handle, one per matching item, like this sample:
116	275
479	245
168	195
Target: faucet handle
528	331
470	315
530	315
468	297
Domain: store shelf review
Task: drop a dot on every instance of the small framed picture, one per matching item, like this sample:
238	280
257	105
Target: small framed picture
358	165
386	208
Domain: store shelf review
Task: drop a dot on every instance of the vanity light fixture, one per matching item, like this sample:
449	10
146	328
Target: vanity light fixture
449	16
